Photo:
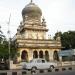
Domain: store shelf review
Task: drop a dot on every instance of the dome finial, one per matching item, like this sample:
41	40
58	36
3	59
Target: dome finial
31	1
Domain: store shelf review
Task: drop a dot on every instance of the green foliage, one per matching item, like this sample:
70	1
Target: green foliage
67	39
13	50
4	47
56	35
4	50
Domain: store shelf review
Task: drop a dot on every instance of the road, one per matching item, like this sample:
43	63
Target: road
72	72
19	72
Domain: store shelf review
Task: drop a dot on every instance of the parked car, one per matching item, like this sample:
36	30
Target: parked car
39	64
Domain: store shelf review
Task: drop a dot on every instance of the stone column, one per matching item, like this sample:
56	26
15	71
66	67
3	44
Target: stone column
19	57
30	55
38	53
60	60
51	55
44	54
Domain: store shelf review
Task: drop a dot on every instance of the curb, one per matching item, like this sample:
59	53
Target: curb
25	72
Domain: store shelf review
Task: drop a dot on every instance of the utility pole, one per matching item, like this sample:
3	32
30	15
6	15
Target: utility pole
8	32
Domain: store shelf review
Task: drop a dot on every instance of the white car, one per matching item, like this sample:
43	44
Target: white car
39	64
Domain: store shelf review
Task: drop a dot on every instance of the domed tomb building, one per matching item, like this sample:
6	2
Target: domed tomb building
31	37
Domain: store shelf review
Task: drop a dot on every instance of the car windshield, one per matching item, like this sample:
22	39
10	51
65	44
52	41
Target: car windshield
31	61
43	61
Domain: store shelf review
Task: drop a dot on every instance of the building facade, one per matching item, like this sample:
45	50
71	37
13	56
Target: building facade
31	38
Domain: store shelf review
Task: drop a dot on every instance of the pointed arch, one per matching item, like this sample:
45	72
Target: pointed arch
55	56
35	54
40	54
47	55
24	55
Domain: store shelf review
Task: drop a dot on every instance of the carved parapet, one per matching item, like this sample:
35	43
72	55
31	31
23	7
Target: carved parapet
38	43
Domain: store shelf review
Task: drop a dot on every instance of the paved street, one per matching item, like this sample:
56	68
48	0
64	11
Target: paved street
19	72
59	73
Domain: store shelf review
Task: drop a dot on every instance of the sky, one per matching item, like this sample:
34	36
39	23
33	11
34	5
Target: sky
59	14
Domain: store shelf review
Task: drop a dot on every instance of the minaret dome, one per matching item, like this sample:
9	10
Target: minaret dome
31	9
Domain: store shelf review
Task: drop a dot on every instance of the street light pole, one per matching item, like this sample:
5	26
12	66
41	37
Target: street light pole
9	39
9	47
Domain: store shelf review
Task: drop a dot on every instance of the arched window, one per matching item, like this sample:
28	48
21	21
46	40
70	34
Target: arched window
41	54
24	56
35	54
47	55
55	56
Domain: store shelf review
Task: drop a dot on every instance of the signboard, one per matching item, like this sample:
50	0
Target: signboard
66	53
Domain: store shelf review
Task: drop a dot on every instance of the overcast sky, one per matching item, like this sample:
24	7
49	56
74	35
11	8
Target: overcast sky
59	14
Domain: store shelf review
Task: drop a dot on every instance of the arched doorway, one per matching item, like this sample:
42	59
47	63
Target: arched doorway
24	56
40	54
47	55
55	56
35	54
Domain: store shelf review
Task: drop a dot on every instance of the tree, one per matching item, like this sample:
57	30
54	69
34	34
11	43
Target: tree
56	35
13	50
3	45
67	39
4	50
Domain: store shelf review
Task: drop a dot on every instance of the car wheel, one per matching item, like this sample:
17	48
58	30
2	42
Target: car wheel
33	68
51	67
